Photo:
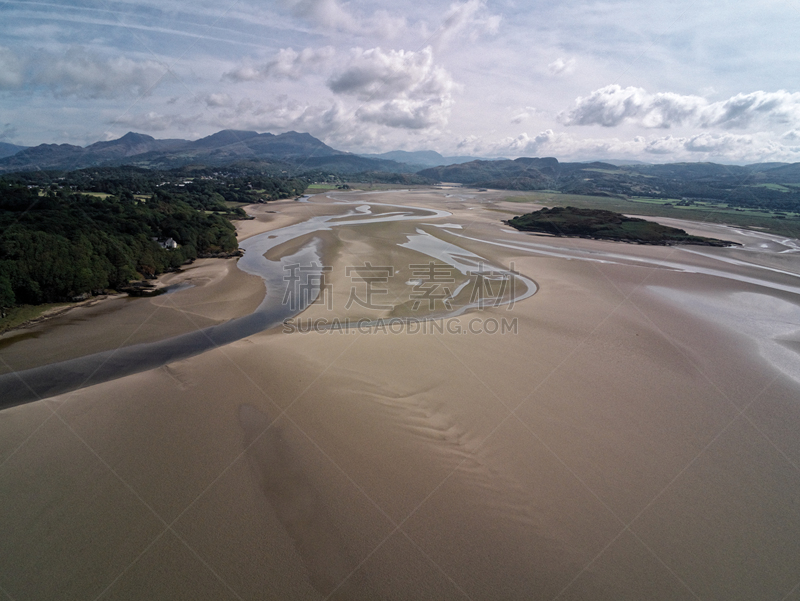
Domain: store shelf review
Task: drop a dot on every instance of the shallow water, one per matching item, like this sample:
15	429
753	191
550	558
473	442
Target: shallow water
277	306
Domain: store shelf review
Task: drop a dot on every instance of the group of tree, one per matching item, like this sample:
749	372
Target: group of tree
605	225
60	240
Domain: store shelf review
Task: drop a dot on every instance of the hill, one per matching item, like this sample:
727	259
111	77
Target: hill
292	149
768	187
420	158
7	150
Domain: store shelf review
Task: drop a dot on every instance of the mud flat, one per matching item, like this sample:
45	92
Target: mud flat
635	436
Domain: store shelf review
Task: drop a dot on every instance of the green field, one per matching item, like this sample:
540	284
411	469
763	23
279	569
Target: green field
322	187
777	187
104	195
654	207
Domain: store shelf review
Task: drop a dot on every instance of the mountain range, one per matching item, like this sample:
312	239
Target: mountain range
6	149
291	149
421	158
295	154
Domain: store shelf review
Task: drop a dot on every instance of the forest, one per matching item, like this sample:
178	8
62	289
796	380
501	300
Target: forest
66	235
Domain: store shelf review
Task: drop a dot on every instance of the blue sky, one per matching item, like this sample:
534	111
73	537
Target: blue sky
657	82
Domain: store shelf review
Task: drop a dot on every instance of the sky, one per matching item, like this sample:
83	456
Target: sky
685	80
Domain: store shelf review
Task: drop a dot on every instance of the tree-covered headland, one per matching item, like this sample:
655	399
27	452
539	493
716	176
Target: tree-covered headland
64	235
605	225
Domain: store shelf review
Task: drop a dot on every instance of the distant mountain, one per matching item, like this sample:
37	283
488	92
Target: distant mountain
421	158
7	150
129	145
693	171
69	156
764	166
499	174
221	148
301	153
621	162
351	163
44	156
226	137
783	174
767	188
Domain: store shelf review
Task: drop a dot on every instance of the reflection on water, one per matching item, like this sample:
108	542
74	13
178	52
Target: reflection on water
772	323
50	380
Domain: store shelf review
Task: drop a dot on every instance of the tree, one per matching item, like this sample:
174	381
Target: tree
7	298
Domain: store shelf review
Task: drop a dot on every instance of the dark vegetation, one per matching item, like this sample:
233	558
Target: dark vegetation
66	235
772	188
605	225
78	219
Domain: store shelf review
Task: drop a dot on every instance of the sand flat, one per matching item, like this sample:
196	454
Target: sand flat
624	443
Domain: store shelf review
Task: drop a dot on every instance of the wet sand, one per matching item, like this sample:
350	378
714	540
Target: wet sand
636	438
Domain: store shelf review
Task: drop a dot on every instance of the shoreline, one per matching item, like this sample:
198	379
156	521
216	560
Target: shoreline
158	282
636	396
265	216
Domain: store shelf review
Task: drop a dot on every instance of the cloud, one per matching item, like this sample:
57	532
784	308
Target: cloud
470	18
398	88
613	105
81	73
77	72
328	13
9	132
523	115
743	109
717	144
11	70
791	136
288	64
331	14
217	100
726	147
561	66
281	113
153	121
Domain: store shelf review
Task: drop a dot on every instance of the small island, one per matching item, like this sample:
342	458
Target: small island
606	225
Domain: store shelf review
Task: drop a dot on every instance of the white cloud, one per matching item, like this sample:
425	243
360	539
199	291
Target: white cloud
77	72
217	100
523	115
727	147
9	132
281	113
11	70
471	19
331	14
328	13
743	109
561	66
613	105
85	74
153	121
288	64
398	88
